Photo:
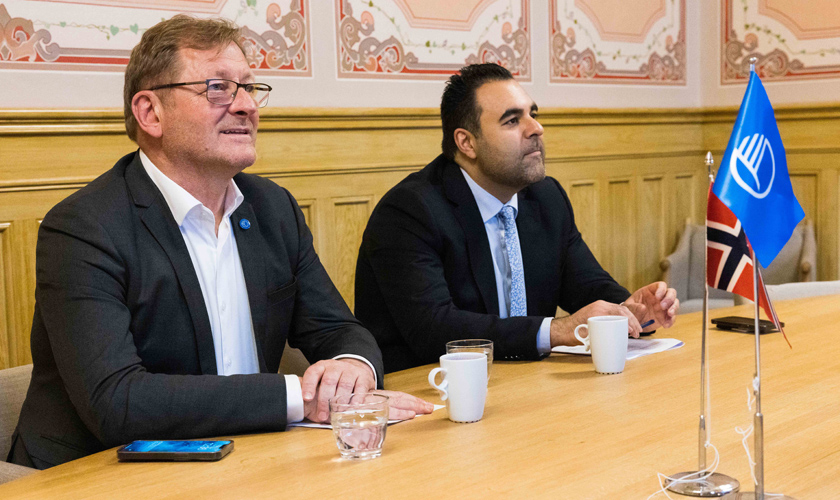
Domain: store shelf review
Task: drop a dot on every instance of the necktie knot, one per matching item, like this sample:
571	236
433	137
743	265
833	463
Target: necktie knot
506	213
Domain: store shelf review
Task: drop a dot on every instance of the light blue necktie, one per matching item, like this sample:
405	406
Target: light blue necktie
517	274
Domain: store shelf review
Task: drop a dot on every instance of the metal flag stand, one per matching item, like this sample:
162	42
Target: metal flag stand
700	483
758	419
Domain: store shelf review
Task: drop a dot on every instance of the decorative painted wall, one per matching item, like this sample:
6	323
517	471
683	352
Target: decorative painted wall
598	41
430	38
792	39
70	54
63	35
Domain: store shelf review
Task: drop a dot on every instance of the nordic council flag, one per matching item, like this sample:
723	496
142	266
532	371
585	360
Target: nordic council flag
753	178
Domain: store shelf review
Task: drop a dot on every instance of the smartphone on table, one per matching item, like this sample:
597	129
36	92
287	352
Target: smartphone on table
745	325
175	451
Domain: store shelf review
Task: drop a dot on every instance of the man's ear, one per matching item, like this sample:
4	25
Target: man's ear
148	110
465	142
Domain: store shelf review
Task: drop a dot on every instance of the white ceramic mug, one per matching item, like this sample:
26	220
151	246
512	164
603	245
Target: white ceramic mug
464	385
607	341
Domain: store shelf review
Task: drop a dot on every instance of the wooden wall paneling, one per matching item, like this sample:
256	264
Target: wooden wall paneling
350	216
634	175
814	176
651	229
307	206
805	188
584	195
18	263
7	323
68	160
684	207
620	258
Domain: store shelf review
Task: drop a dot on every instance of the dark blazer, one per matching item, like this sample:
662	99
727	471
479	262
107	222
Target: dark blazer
121	340
425	272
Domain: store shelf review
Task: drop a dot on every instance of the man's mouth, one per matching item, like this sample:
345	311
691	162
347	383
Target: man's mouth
237	131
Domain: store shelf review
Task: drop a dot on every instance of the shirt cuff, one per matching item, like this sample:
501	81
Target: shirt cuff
356	356
544	337
294	399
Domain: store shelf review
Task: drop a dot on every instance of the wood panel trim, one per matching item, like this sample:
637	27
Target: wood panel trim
111	121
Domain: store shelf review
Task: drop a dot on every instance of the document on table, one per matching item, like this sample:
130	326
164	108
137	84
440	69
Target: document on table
313	425
635	347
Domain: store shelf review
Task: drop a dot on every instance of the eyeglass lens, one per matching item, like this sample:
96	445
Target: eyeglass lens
224	92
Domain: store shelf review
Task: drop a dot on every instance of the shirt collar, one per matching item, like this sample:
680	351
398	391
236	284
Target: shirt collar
488	204
179	200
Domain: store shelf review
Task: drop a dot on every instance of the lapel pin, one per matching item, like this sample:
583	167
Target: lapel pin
245	224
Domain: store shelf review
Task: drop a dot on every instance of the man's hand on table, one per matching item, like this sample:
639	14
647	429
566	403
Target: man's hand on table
654	302
329	378
563	329
405	406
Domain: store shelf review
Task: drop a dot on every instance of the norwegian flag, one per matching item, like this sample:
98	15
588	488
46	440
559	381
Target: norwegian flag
728	255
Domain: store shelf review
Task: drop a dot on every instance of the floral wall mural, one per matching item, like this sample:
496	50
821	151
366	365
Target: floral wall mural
412	39
791	39
63	35
598	41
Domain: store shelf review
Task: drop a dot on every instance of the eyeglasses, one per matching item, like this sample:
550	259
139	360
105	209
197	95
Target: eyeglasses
223	92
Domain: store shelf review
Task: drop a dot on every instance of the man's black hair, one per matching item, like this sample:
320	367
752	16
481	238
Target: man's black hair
458	106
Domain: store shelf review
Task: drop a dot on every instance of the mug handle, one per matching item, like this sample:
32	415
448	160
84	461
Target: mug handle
444	394
585	340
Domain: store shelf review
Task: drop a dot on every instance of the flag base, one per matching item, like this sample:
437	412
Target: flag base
750	495
716	485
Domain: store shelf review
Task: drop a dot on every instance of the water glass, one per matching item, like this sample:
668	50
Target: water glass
473	345
359	422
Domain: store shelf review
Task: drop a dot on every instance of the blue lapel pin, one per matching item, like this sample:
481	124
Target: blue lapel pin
245	224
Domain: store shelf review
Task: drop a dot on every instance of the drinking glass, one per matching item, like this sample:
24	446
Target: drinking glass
473	345
359	422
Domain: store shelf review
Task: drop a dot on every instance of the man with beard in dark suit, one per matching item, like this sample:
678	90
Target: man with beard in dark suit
481	244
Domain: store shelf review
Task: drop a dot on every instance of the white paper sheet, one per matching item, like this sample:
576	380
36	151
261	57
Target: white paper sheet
313	425
635	347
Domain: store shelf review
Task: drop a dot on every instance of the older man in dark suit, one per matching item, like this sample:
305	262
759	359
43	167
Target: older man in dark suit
167	288
480	244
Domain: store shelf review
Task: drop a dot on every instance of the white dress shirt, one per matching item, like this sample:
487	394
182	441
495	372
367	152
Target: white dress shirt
489	207
219	272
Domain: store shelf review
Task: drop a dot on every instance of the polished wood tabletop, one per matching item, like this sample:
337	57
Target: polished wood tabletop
551	429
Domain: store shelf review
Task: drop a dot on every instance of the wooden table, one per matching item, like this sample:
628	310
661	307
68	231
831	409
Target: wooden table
551	429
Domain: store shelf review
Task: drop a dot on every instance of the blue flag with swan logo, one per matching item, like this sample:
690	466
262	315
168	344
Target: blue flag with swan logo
753	179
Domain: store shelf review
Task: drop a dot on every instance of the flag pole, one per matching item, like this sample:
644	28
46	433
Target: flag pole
701	483
758	418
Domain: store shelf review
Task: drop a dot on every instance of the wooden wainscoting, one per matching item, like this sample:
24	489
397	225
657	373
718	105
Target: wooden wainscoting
634	177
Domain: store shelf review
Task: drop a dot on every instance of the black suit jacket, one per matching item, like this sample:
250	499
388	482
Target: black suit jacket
425	272
121	340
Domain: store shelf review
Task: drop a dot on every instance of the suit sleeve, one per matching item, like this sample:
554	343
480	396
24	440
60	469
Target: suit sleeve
323	326
405	250
81	299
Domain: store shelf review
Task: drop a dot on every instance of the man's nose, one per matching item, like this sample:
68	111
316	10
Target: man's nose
533	127
243	103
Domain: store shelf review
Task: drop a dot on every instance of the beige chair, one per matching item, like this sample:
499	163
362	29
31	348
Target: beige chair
683	269
787	291
13	385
